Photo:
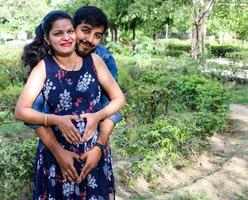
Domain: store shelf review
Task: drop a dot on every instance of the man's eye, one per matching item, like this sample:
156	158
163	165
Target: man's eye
98	36
85	31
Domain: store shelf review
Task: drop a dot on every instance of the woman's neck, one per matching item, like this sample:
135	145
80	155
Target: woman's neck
71	62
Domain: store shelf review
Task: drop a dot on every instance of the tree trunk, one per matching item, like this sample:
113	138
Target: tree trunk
112	34
154	36
198	36
194	41
115	34
134	36
166	34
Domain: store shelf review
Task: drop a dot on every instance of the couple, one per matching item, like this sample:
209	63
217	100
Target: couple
73	159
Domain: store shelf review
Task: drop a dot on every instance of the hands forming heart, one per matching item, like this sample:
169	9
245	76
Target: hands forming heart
66	158
69	131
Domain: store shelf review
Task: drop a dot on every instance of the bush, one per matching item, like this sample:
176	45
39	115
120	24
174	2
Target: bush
150	101
201	94
8	98
172	110
11	73
17	169
222	50
179	47
238	56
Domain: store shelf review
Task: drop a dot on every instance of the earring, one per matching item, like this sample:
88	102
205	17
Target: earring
50	49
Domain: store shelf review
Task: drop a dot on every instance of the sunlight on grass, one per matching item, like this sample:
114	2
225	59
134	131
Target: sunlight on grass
239	94
15	131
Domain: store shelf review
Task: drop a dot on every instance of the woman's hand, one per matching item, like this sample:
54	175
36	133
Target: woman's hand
91	125
67	128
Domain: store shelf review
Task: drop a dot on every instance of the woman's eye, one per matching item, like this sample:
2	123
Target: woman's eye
57	34
71	31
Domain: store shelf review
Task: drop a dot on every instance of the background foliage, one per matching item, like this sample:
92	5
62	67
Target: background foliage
174	103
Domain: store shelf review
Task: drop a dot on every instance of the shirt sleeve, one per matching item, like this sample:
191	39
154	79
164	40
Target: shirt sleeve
108	59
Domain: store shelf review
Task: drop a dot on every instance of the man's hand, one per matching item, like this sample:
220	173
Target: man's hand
66	164
92	158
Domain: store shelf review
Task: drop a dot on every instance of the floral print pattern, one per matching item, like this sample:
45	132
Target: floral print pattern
65	101
84	82
48	87
70	93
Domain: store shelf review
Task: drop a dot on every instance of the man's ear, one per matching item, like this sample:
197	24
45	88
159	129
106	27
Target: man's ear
46	39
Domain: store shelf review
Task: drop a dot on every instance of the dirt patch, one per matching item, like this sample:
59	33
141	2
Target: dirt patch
222	174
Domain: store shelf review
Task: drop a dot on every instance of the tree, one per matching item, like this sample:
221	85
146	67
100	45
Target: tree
202	9
22	15
230	17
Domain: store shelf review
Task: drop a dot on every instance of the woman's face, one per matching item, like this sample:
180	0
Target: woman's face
62	37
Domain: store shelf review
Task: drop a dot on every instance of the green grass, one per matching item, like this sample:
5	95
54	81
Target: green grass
15	131
243	196
239	94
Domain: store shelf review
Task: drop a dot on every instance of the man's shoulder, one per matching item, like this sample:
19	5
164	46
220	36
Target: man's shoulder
102	51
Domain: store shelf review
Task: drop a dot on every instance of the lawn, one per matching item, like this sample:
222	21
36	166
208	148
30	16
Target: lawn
240	94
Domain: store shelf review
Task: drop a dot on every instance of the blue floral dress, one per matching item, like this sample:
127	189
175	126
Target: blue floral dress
66	93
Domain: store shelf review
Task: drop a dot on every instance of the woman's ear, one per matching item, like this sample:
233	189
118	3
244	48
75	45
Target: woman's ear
46	39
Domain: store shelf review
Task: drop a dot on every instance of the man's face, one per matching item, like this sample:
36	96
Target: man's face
88	37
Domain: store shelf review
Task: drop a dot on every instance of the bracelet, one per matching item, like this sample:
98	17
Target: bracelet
100	146
45	120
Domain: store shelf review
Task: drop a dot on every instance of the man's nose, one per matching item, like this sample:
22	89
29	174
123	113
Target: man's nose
90	38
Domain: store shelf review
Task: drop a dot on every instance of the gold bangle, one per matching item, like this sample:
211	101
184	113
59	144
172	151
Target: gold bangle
45	121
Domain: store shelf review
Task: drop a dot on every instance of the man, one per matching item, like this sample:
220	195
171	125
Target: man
90	24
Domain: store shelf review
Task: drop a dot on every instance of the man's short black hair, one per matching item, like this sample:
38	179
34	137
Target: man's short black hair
90	15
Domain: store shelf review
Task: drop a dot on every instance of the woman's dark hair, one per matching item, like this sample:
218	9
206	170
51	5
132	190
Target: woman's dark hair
90	15
38	49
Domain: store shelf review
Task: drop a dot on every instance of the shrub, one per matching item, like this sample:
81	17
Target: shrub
8	98
154	135
11	73
222	50
150	101
199	93
238	56
17	169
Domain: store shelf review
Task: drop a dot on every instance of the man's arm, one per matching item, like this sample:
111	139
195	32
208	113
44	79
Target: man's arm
108	58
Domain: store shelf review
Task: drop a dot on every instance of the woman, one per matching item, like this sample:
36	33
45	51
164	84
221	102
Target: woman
71	87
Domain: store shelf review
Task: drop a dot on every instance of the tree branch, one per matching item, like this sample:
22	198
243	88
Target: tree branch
202	14
233	4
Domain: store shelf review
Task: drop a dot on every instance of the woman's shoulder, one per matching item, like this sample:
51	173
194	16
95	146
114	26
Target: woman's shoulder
96	58
39	68
40	65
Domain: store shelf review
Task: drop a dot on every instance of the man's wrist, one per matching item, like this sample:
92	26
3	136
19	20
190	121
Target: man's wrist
100	146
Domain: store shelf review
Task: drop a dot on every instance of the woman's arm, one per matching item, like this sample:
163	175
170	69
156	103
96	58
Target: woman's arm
25	112
30	91
110	86
117	99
